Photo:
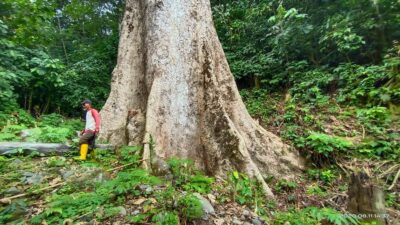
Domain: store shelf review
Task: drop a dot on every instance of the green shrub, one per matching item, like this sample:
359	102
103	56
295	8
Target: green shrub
55	134
327	175
130	154
165	218
190	207
374	119
324	147
11	132
380	149
53	120
363	85
56	161
243	189
316	190
16	117
73	124
285	185
258	103
199	183
182	170
8	137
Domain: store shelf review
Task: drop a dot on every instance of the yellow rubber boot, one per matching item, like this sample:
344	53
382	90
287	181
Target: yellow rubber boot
84	151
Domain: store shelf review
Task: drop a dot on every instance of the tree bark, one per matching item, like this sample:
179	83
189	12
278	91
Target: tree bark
172	83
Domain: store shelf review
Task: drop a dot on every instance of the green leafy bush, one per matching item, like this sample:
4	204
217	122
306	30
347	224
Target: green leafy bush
374	119
182	170
55	134
380	149
199	183
190	207
243	189
52	120
130	154
315	189
285	185
165	218
11	132
56	161
326	175
325	147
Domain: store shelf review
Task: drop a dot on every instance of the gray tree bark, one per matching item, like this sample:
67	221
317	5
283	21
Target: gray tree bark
172	83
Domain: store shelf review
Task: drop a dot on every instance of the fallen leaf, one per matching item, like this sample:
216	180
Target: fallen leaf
211	198
153	200
218	221
139	201
55	181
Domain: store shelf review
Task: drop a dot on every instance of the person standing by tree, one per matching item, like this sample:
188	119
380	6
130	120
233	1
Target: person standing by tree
92	128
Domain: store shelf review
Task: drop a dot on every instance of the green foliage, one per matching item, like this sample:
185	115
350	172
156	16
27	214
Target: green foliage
313	215
11	132
316	190
77	203
126	181
130	154
52	128
325	175
326	146
187	177
199	183
51	120
380	149
68	50
165	218
285	185
16	117
190	207
13	211
55	135
374	119
391	200
244	190
56	161
181	169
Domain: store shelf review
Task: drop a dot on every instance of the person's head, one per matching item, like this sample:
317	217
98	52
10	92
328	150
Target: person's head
87	104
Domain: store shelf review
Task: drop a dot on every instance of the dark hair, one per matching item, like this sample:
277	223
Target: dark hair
86	101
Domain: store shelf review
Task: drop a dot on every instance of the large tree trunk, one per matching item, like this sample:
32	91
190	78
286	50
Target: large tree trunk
172	83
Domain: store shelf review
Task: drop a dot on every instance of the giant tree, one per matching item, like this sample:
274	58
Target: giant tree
172	85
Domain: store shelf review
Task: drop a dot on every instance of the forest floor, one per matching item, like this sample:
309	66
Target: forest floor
136	204
112	189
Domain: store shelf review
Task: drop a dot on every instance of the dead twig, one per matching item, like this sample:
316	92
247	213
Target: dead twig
395	180
123	166
7	200
389	171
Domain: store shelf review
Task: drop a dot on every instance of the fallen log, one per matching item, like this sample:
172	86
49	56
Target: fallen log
7	148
